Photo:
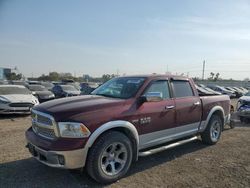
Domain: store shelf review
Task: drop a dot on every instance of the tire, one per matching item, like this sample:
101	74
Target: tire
110	157
212	133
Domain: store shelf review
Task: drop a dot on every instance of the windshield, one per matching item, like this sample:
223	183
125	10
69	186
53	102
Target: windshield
68	88
9	90
209	89
202	90
47	85
37	88
123	88
247	94
224	89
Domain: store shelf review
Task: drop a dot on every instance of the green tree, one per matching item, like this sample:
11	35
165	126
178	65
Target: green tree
14	76
107	77
216	77
54	76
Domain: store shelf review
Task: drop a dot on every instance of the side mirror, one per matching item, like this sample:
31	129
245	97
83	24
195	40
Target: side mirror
152	97
33	93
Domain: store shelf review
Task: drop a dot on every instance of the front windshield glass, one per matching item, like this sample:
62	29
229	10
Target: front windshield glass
209	89
10	90
47	84
37	88
68	88
247	94
224	89
123	88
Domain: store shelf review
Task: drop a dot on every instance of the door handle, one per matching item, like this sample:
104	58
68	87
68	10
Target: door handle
169	107
197	103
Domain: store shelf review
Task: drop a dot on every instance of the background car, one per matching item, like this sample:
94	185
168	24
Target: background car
237	92
240	90
203	92
88	87
244	89
222	90
47	85
243	108
16	99
65	91
33	82
71	82
209	89
41	92
18	82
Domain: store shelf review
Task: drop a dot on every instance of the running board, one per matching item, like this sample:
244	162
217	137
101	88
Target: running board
162	148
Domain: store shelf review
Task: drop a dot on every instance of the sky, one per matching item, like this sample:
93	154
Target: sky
126	37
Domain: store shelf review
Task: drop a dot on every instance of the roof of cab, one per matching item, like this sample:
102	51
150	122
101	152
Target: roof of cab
152	76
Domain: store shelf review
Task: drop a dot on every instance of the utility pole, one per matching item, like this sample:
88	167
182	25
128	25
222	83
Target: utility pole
203	69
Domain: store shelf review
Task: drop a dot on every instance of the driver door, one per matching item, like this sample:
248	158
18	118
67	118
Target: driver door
157	119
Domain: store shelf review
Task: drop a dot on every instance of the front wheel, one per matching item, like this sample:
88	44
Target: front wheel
110	157
212	133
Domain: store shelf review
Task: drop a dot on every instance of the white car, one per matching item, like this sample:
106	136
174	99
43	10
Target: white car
16	99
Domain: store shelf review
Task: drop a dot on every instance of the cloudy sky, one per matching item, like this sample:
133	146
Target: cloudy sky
133	37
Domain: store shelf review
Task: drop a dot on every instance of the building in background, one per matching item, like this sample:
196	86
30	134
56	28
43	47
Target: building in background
4	72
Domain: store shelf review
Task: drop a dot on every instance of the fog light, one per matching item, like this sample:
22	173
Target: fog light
61	160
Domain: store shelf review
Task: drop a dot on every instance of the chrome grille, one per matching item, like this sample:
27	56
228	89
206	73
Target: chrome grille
44	120
48	133
21	104
43	124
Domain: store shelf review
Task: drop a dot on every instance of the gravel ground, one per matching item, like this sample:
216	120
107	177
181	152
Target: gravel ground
226	164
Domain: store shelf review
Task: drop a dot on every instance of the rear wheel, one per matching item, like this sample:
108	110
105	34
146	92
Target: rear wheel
110	157
212	133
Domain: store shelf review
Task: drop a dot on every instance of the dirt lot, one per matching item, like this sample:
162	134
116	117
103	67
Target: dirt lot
226	164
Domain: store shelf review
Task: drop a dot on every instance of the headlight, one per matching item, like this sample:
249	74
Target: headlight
52	96
73	130
4	100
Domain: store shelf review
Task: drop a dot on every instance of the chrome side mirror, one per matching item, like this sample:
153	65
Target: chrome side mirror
152	97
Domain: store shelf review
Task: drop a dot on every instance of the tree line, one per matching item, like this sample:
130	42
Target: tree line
55	76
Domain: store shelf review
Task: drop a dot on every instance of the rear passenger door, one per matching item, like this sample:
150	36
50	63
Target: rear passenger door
188	108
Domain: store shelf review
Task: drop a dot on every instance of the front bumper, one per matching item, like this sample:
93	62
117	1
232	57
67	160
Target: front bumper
245	113
60	159
60	153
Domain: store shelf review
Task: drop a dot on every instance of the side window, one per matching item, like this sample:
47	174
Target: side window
160	86
182	88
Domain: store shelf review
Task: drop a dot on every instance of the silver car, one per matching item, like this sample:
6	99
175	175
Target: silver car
16	99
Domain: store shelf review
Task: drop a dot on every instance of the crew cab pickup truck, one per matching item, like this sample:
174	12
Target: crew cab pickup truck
123	119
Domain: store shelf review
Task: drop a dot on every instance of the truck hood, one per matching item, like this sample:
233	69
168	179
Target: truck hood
65	108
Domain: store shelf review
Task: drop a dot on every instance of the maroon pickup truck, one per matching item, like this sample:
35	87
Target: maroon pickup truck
123	119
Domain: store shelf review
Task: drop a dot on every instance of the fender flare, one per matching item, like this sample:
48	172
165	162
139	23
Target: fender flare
110	125
204	124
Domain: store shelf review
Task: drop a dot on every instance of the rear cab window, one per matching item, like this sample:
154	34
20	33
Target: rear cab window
182	88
